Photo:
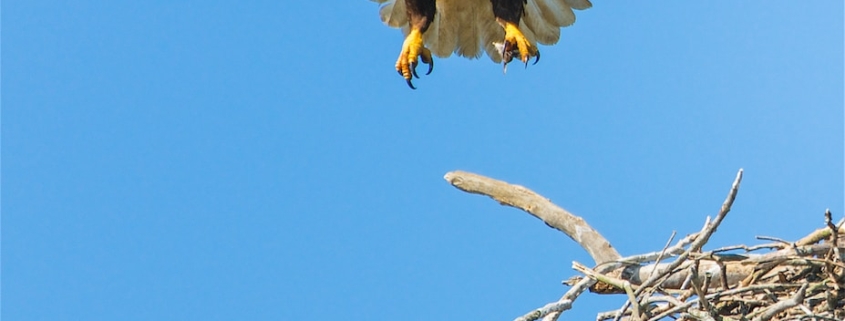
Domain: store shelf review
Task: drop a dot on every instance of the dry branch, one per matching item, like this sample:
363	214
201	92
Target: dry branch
527	200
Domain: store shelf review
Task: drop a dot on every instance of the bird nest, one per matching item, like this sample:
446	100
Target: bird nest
778	280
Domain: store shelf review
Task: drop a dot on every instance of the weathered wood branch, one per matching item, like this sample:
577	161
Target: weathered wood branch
540	207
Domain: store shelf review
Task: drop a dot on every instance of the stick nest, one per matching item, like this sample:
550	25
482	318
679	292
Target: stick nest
778	280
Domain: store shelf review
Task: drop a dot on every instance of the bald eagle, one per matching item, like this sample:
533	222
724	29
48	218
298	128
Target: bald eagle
501	28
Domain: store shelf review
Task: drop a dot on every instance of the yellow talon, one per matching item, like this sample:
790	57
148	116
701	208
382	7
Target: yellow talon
516	43
412	50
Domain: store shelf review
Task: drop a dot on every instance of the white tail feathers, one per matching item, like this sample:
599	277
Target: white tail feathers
465	27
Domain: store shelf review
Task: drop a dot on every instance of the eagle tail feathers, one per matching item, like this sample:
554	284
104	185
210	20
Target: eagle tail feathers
393	13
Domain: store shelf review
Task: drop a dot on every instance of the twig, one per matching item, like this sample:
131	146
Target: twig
833	254
834	234
726	207
627	303
569	296
546	309
622	284
700	290
819	235
676	249
663	252
635	305
766	246
776	308
598	276
704	235
775	239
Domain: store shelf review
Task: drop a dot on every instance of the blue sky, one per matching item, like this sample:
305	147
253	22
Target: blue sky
219	160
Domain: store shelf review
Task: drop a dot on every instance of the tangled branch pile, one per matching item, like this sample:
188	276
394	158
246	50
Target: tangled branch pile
801	280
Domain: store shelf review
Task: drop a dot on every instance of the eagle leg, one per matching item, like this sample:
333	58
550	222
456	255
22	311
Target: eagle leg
412	52
516	44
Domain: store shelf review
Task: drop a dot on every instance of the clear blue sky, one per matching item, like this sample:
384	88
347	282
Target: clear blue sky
262	160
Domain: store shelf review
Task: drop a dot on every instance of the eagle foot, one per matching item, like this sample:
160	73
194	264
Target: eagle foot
412	52
516	45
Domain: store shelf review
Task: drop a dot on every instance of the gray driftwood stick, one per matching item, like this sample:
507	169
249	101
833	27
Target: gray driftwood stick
527	200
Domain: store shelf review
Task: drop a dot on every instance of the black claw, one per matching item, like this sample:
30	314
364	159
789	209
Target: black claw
430	66
537	59
414	70
410	84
